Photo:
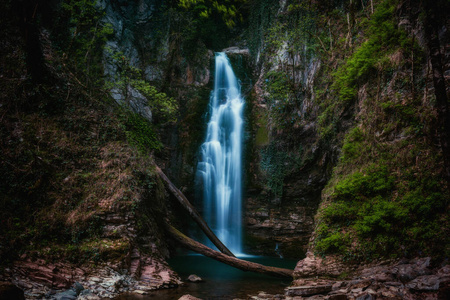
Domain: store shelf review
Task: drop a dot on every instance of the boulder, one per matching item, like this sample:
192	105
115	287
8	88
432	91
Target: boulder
77	287
88	295
188	297
312	266
424	283
366	297
338	297
194	278
308	290
406	273
66	295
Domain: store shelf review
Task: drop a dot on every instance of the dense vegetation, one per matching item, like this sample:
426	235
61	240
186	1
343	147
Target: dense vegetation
378	203
70	154
387	194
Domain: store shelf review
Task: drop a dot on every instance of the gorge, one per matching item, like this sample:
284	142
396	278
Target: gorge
326	121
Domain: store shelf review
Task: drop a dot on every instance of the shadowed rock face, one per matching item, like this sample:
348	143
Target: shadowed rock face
278	231
10	291
277	225
134	24
285	221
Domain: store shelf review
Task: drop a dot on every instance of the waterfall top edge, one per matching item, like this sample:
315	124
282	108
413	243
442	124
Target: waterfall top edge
236	50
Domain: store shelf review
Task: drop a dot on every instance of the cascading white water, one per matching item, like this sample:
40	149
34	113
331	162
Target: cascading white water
220	167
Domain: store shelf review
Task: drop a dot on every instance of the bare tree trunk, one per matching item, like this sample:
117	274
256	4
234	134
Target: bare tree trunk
232	261
193	213
432	36
28	13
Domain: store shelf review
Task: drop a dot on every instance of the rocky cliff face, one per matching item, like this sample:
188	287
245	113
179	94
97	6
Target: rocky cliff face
147	35
140	34
342	88
288	165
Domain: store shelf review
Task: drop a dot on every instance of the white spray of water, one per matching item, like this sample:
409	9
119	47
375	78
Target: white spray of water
220	168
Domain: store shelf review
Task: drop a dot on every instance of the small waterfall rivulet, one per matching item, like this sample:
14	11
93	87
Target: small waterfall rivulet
220	166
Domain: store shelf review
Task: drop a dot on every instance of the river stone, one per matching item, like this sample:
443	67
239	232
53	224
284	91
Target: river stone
66	295
360	284
366	297
308	290
389	294
194	278
77	287
425	283
357	290
338	297
95	279
88	295
406	273
337	285
188	297
444	271
140	292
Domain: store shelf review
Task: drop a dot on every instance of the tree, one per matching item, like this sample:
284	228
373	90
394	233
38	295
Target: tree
229	10
433	22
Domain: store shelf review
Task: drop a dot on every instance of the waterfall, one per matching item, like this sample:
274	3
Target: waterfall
220	166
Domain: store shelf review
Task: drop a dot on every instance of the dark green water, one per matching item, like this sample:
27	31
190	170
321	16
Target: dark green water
220	281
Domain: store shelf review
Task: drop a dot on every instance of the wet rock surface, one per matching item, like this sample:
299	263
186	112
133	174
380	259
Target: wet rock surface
37	280
132	271
284	232
188	297
284	217
404	279
308	290
194	278
316	266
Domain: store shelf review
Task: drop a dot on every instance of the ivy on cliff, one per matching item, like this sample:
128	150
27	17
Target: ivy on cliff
384	37
82	37
164	108
141	132
386	197
67	156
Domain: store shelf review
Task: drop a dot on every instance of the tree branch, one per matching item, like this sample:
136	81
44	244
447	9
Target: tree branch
193	213
231	261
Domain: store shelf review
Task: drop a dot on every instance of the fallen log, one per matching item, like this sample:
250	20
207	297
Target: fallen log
232	261
193	213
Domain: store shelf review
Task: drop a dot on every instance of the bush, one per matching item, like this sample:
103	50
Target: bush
140	132
332	242
374	181
382	216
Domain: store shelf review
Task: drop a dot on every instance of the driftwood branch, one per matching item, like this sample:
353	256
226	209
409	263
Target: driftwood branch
232	261
193	213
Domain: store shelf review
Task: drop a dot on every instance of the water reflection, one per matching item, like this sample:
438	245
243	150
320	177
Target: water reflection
220	281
